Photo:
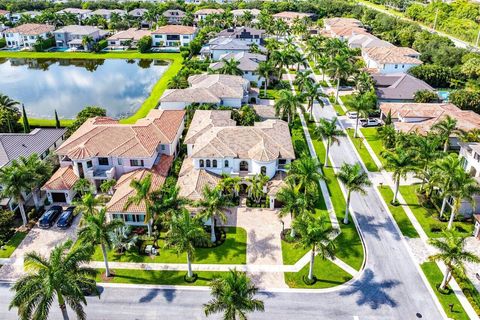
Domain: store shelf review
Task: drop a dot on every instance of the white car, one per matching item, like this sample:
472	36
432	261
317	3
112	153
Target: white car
352	114
370	122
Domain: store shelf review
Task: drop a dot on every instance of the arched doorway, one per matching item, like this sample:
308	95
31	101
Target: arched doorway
243	165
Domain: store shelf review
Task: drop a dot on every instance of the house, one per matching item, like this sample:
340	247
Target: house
362	41
5	13
72	36
107	14
470	154
174	16
217	48
138	13
247	34
201	14
127	38
398	87
15	17
391	59
26	35
343	33
289	17
104	149
173	36
81	14
421	117
239	13
218	89
217	146
15	145
248	63
330	23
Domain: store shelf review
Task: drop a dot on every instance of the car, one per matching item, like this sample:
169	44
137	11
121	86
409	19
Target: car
66	218
48	218
370	122
352	114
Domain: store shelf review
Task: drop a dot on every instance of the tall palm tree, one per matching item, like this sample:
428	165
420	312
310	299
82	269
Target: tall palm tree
400	163
9	105
339	68
184	233
107	185
306	173
363	105
256	186
316	234
444	170
62	276
82	186
86	42
143	194
230	185
354	179
96	231
464	188
335	47
234	295
313	92
287	104
322	64
213	205
302	79
451	247
171	203
16	181
280	59
329	131
39	171
298	58
87	205
294	202
445	129
363	82
425	149
265	70
230	66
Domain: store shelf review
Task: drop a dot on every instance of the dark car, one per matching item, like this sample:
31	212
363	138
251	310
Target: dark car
66	218
49	217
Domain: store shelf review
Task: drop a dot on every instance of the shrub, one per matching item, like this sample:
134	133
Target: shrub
435	75
425	96
436	227
466	99
144	44
100	45
6	224
3	42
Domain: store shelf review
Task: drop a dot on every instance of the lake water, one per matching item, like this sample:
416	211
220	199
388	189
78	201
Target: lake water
68	85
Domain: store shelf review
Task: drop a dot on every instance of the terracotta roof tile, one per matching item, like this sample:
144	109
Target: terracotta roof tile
174	29
32	29
63	179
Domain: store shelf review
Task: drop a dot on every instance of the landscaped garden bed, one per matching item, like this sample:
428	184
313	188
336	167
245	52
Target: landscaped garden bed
327	275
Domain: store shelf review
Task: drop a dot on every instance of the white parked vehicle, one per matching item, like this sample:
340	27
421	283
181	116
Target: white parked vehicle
352	114
370	122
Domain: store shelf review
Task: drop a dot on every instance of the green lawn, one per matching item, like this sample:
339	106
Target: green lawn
151	102
327	273
435	276
398	213
12	244
338	109
347	100
375	142
272	94
363	152
232	251
158	277
427	216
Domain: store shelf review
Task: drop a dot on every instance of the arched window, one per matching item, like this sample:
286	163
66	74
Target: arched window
214	163
226	164
201	163
263	170
208	164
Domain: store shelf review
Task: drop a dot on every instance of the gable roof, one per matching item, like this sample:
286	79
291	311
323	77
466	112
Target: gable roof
393	54
173	13
248	61
32	29
77	29
63	179
292	15
342	22
367	41
398	86
74	11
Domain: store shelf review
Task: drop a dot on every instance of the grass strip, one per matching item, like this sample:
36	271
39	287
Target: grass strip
12	244
328	275
362	151
375	143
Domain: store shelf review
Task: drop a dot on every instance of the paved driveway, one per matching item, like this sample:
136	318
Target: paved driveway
38	240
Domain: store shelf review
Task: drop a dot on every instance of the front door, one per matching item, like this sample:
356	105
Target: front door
243	166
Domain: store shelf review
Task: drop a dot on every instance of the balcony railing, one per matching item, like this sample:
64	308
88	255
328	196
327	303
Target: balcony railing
102	174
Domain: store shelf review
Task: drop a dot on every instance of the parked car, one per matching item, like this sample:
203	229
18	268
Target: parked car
370	122
49	217
66	218
352	114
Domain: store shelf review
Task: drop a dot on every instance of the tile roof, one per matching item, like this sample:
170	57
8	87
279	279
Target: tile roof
77	29
32	29
63	179
103	137
107	11
15	145
206	120
248	61
367	41
264	111
398	86
209	11
276	183
292	15
345	32
173	13
222	43
175	29
393	54
75	11
241	12
342	22
428	114
139	12
240	32
132	33
191	181
4	12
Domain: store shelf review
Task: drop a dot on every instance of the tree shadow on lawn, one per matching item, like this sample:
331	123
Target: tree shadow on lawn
231	247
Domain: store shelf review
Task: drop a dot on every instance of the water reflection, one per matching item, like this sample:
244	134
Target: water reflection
68	85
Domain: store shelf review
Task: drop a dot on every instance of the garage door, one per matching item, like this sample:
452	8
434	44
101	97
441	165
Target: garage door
58	197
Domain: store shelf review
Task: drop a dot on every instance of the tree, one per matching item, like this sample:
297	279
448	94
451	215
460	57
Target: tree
294	202
171	203
316	234
363	82
452	252
10	113
339	68
354	179
234	296
96	232
184	233
425	96
26	124
62	276
464	187
87	42
425	150
400	163
363	104
306	173
213	205
329	131
39	171
303	79
445	129
322	64
82	116
230	185
143	194
15	180
265	70
256	185
107	185
144	44
87	205
82	186
287	104
57	121
230	66
313	92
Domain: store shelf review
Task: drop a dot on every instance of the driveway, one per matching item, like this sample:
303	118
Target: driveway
39	240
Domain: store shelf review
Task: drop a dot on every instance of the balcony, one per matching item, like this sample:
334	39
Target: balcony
100	173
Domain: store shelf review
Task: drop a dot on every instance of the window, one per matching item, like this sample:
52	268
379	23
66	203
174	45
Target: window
226	163
120	161
185	37
202	163
136	163
263	170
103	161
208	164
162	147
214	163
396	66
89	164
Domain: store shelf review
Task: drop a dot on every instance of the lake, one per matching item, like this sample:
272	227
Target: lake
68	85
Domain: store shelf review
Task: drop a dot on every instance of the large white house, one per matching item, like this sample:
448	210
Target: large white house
26	35
127	38
80	14
218	47
173	36
201	14
247	34
391	59
218	89
248	63
72	36
107	14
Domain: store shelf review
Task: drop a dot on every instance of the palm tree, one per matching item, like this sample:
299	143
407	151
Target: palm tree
426	152
335	47
82	186
213	205
256	185
463	189
400	163
339	68
107	185
294	202
9	105
177	82
303	79
143	194
329	131
298	58
445	129
86	42
87	205
443	173
316	234
306	173
265	70
322	64
230	67
313	92
363	82
230	185
354	179
452	252
15	181
171	203
96	231
280	59
39	172
363	105
62	276
184	233
234	296
287	104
